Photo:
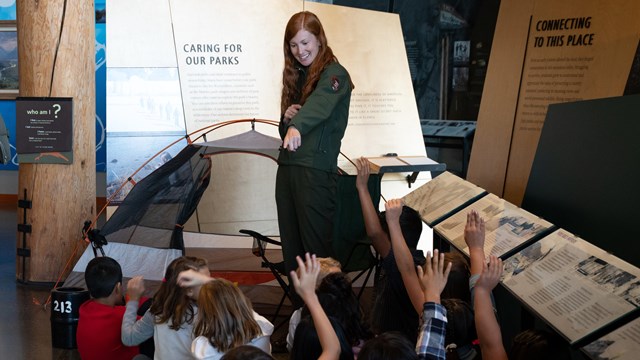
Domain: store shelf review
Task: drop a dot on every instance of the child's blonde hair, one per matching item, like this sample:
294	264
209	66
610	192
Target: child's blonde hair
328	265
225	316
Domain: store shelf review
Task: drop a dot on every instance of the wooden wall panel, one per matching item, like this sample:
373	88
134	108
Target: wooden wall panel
492	141
556	65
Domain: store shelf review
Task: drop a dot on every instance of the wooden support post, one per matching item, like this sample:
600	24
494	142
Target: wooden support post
56	53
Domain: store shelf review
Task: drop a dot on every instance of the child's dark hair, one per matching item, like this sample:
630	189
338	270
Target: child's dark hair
306	344
539	344
246	352
388	346
461	329
338	300
458	282
410	224
102	275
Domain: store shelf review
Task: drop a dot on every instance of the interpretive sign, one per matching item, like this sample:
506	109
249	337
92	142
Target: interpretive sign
44	130
621	344
441	196
508	227
575	286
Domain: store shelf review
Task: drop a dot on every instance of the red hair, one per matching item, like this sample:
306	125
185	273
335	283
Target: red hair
308	21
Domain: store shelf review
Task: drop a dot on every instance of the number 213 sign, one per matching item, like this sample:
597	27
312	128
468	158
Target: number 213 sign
62	306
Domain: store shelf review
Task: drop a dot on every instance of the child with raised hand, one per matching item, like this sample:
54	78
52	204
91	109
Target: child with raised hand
404	258
136	332
398	286
328	265
474	233
433	279
305	286
174	311
99	325
487	326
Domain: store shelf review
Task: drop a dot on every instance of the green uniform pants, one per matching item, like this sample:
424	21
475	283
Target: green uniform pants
306	201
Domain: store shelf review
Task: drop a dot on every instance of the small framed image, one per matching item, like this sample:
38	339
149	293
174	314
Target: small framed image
8	60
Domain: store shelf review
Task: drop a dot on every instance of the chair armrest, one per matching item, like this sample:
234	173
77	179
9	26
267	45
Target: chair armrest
260	237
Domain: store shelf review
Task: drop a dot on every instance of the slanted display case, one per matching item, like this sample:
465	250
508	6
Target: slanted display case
574	286
508	227
621	344
442	196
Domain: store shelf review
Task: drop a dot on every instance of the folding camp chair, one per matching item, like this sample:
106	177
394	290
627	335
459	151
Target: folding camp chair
373	267
277	269
351	244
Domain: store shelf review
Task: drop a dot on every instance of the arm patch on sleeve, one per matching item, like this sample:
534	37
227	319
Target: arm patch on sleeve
335	83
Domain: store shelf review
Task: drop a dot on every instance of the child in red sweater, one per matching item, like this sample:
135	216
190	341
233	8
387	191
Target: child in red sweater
98	334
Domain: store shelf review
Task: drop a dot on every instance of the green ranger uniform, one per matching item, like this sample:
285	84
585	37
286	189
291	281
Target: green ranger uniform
306	179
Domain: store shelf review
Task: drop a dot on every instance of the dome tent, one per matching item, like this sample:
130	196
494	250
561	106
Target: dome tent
147	230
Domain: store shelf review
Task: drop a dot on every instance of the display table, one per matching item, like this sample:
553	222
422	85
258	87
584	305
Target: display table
450	134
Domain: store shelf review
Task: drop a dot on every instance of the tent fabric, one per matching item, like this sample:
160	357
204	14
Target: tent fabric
160	204
135	260
157	207
249	142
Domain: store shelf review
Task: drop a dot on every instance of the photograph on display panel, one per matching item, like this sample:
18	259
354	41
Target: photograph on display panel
621	344
8	60
573	285
508	227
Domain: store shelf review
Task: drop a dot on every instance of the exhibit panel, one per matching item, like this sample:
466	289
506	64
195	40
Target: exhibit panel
442	196
621	344
574	50
574	286
508	227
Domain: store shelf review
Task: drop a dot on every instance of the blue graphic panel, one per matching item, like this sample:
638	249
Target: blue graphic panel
8	10
101	95
8	112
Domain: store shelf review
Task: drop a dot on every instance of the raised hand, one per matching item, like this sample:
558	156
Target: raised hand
135	287
191	278
362	164
393	209
433	277
490	274
305	282
474	230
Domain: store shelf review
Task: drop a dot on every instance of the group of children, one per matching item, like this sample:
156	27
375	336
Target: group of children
434	307
192	315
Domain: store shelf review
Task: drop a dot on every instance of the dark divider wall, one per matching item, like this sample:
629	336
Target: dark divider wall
585	176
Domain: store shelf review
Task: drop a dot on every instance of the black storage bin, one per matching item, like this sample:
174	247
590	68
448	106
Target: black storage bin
65	304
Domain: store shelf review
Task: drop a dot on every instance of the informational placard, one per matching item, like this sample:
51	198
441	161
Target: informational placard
44	130
576	287
621	344
545	52
507	226
442	196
